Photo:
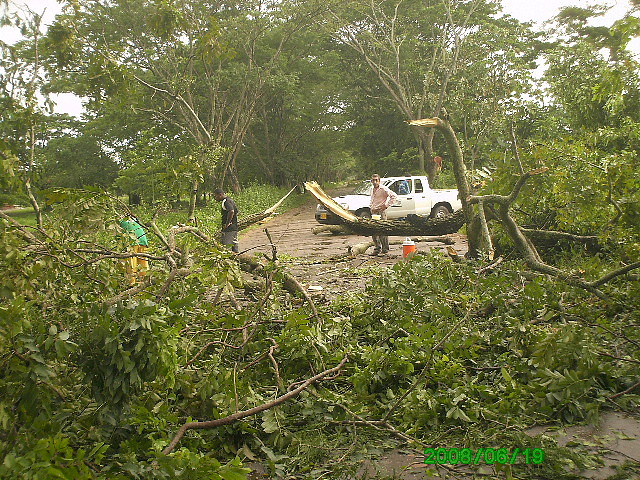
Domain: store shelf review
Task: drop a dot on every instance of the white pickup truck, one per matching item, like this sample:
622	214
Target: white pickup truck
414	196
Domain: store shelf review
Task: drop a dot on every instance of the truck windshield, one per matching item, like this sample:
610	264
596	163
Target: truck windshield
364	188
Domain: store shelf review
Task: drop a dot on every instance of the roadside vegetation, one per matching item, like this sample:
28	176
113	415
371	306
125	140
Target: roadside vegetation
25	216
96	385
213	362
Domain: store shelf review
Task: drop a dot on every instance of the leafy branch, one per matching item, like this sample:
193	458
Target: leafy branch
252	411
528	250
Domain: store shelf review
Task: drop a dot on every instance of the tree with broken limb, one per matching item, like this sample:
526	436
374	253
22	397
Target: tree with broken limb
479	238
528	249
475	220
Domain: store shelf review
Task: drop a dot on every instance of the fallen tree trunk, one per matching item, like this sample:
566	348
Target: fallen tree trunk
553	239
414	225
360	248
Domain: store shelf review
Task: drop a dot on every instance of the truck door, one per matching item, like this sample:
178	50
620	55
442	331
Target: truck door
422	197
406	203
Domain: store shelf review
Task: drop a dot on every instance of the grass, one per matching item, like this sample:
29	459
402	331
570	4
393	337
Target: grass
25	216
252	199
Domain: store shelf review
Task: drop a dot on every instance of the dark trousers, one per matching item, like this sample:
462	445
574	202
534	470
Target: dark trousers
231	238
381	241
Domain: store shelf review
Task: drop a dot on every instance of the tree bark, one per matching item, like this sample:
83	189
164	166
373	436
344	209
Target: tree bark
32	129
192	201
551	239
413	226
475	234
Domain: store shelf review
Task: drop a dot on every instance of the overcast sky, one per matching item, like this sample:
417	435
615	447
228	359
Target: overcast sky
541	10
537	11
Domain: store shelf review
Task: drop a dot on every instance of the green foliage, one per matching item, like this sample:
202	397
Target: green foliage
75	371
52	457
529	354
17	198
129	346
590	188
8	168
161	169
77	163
25	216
395	164
257	198
441	351
95	379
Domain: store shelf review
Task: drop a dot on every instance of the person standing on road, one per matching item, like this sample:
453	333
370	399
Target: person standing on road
229	214
381	199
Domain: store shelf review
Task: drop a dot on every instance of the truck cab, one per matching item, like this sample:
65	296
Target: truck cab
415	196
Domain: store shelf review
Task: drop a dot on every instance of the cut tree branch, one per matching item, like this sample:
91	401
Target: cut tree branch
524	245
624	392
252	411
252	265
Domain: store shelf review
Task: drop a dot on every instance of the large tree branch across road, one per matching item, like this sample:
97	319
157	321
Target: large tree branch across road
413	226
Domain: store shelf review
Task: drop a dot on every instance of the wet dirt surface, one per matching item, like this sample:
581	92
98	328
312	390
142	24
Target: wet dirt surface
321	261
613	441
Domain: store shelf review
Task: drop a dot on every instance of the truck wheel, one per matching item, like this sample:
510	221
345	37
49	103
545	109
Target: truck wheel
364	213
440	211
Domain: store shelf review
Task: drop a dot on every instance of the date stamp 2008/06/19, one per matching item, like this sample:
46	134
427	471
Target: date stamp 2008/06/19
489	456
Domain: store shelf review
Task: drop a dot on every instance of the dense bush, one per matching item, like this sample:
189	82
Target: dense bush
14	198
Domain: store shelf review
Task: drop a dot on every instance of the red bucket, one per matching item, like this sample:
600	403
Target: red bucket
408	247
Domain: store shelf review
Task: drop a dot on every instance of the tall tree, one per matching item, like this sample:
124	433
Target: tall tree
417	49
594	84
77	162
199	67
22	83
591	72
299	128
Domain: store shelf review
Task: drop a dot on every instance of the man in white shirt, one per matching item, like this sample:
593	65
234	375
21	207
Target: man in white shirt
381	199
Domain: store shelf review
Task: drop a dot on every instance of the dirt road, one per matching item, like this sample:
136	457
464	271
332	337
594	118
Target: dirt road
321	260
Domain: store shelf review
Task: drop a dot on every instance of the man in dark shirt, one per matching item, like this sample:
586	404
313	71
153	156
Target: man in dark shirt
229	214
